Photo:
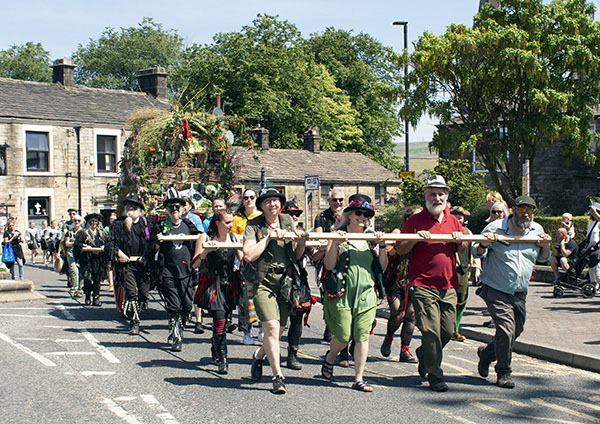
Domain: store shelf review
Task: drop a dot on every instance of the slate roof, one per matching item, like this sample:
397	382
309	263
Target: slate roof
288	165
52	102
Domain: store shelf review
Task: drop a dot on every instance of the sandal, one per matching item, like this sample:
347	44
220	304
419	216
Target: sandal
361	386
327	368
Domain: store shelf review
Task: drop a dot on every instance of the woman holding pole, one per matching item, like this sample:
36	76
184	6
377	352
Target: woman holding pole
352	287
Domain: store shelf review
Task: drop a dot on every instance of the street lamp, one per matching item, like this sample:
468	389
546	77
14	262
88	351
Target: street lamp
405	25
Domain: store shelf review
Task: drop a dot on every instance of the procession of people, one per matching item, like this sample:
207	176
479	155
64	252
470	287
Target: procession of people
255	262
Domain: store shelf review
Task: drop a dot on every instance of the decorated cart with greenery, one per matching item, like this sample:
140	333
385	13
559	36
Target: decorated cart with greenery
191	151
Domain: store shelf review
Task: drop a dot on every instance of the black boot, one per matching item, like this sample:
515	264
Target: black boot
96	301
292	358
214	348
175	333
88	298
222	354
134	328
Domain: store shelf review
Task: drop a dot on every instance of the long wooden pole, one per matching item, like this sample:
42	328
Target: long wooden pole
320	239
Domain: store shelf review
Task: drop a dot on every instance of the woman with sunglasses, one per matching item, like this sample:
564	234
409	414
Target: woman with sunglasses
247	314
220	281
92	265
352	288
498	211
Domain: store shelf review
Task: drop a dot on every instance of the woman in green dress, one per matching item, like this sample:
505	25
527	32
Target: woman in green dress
352	287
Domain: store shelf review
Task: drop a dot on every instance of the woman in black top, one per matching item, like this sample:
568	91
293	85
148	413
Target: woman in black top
92	265
220	281
15	238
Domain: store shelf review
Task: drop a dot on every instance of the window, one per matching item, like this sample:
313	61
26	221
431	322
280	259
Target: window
38	210
380	195
325	189
106	150
38	150
3	160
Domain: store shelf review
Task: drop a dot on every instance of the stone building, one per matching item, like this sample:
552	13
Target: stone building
286	169
60	143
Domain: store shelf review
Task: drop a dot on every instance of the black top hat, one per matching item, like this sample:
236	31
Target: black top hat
134	199
173	197
291	208
91	216
265	194
362	202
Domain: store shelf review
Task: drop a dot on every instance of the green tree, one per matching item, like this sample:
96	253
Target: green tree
26	62
370	74
113	59
526	76
268	71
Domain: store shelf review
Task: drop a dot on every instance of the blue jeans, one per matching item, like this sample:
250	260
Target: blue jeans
19	263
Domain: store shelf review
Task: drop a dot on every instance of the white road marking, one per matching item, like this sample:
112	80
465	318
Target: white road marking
163	414
90	373
70	353
68	315
32	339
125	398
106	354
120	412
25	316
28	351
58	326
23	309
69	341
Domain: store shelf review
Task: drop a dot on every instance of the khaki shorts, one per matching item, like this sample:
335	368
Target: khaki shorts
346	325
268	302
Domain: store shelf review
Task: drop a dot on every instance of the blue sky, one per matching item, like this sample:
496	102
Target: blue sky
62	25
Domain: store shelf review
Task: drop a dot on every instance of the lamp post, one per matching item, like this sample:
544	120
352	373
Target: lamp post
406	157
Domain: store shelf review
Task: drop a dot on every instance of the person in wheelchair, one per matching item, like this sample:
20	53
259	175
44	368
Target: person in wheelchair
564	254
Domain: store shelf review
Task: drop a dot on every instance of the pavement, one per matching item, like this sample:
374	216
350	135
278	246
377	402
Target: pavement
563	330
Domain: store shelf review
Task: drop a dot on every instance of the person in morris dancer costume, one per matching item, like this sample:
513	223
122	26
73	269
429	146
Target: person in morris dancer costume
129	246
176	283
92	265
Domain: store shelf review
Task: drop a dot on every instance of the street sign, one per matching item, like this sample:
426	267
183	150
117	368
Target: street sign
311	183
406	174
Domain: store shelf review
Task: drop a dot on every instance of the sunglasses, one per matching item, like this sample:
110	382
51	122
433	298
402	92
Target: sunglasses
366	214
249	197
173	208
77	220
500	211
530	211
339	199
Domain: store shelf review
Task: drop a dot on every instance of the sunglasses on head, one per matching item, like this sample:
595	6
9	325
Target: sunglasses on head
366	214
530	211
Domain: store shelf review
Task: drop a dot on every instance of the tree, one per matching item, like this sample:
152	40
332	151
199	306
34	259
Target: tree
527	75
370	74
26	62
268	71
113	59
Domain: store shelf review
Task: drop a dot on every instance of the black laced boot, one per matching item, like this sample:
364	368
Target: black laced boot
292	358
222	354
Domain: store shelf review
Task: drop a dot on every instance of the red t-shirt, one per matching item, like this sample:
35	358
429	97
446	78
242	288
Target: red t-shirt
433	264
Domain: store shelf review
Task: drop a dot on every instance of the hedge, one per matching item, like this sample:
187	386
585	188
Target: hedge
552	223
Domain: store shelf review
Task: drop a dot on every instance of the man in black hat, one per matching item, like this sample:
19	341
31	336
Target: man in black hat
129	246
176	284
506	271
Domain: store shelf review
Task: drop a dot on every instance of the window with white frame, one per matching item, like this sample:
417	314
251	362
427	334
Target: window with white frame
380	194
325	189
37	146
106	153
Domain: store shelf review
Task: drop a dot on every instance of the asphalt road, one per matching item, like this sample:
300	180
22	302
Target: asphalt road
63	362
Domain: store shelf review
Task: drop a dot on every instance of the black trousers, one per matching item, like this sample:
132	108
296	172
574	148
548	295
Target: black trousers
177	292
295	330
135	282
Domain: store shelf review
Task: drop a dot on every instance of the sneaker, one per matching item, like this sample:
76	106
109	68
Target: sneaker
176	346
505	381
421	368
248	339
279	385
483	366
261	335
257	368
457	337
437	384
386	347
407	356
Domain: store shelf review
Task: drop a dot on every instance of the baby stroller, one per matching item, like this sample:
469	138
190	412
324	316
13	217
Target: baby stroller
574	278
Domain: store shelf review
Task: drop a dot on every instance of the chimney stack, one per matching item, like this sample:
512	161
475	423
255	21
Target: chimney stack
261	137
153	81
312	140
63	72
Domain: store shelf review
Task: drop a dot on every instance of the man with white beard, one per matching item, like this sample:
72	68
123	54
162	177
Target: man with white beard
129	245
506	271
432	272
